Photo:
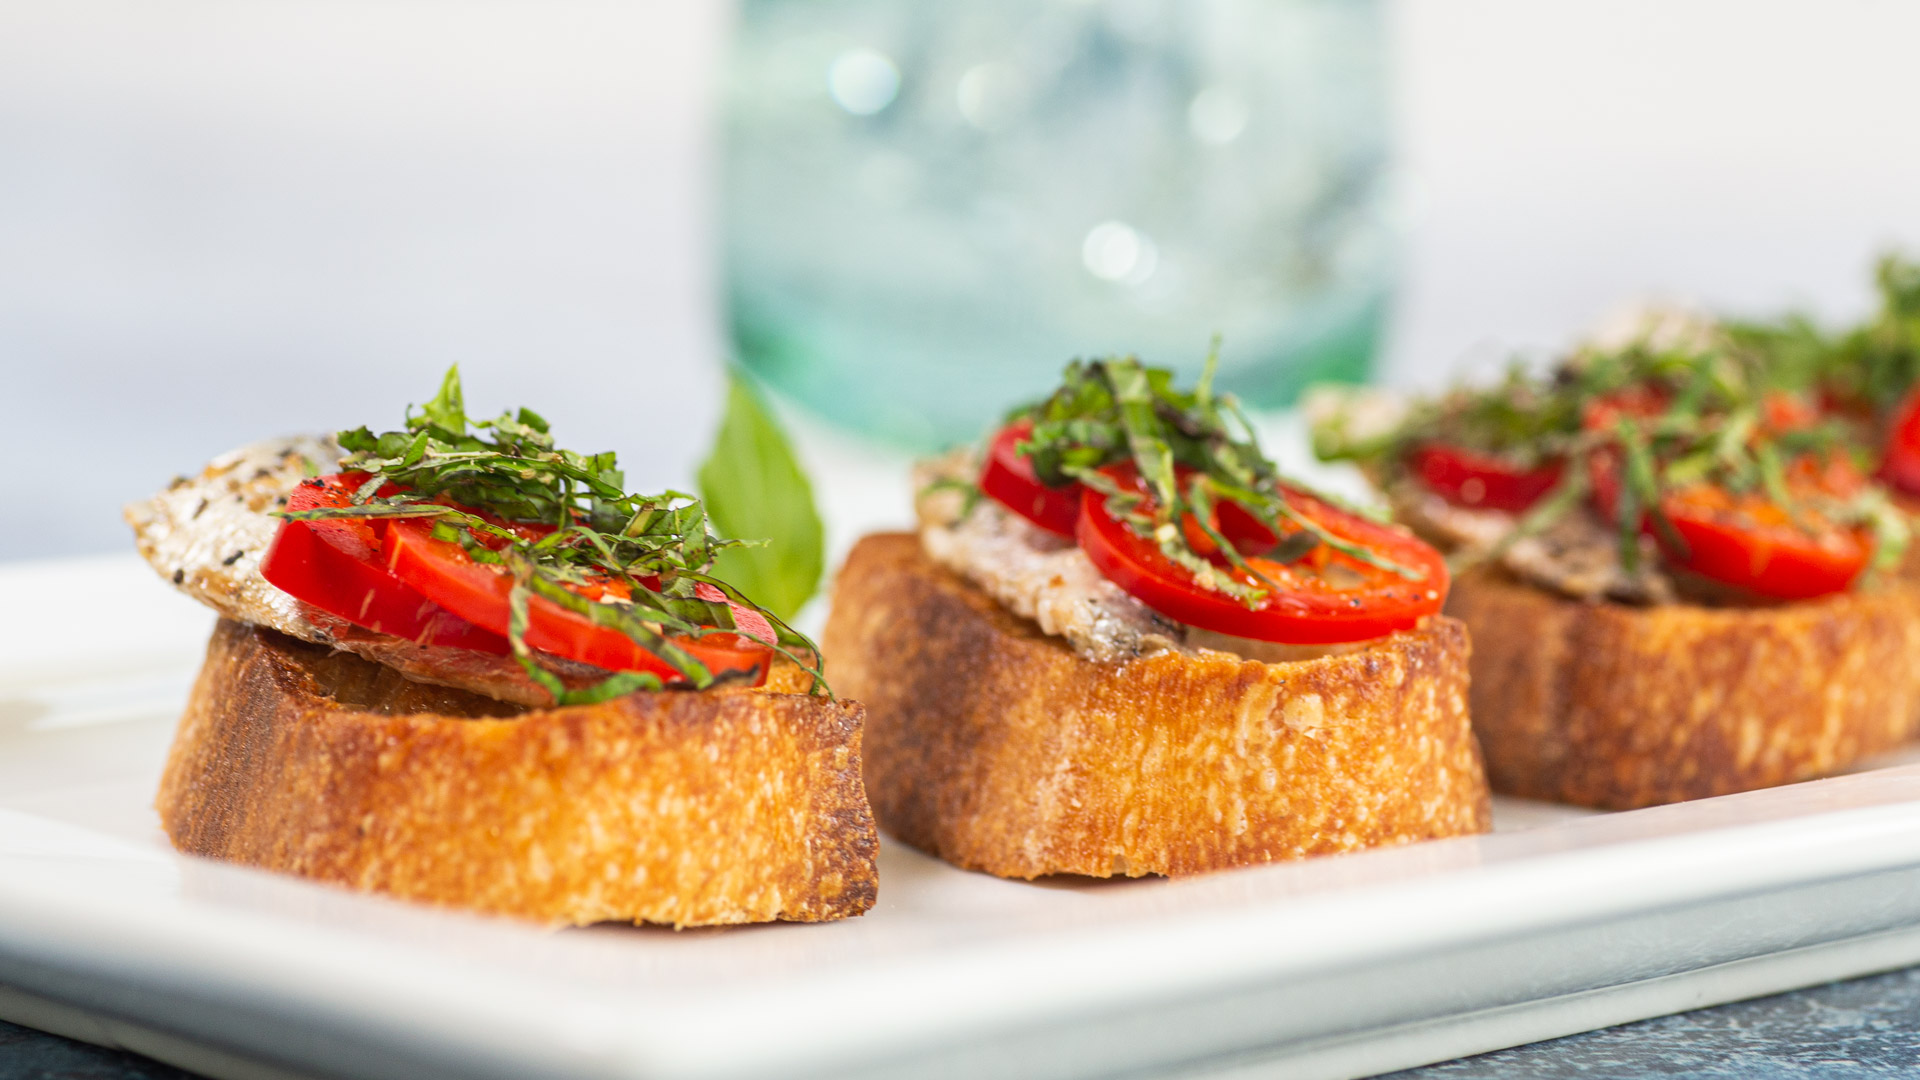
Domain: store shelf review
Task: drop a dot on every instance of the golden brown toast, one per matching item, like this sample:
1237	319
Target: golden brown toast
998	748
1617	706
674	807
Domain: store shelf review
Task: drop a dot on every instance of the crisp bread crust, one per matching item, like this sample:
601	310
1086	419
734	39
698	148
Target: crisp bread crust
995	747
688	809
1615	706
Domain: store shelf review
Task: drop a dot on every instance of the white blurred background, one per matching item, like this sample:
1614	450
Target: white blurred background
224	219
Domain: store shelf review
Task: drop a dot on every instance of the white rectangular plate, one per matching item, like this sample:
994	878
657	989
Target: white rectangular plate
1561	922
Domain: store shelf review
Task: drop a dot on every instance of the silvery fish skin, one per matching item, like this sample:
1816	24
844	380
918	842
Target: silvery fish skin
1033	573
207	534
1577	556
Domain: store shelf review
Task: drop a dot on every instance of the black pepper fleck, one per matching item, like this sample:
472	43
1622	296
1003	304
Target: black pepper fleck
179	576
233	558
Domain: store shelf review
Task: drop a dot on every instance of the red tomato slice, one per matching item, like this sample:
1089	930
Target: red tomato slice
1008	477
1750	543
479	592
1472	479
336	566
1325	598
1745	540
1901	466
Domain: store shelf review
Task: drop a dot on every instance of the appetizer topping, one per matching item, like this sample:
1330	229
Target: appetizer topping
512	543
1184	513
1045	577
208	535
1689	453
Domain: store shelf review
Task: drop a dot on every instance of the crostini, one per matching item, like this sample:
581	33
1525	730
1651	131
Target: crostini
458	665
1681	577
1122	644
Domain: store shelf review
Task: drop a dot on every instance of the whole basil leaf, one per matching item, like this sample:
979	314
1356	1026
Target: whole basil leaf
754	489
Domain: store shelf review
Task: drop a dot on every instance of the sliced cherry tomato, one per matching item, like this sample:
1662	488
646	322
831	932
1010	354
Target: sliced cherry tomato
1484	481
478	592
336	565
1901	466
1008	477
1746	540
1325	598
1749	542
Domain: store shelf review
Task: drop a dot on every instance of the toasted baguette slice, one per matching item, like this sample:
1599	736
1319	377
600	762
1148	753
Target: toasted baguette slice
998	748
683	808
1616	706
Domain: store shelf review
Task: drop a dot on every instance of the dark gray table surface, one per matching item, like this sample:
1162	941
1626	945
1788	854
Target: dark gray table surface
1866	1029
